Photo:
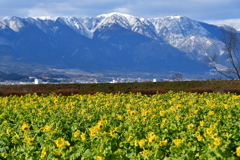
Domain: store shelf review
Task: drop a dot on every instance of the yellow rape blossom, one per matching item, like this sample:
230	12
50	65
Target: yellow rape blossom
145	152
152	138
83	137
47	128
211	113
178	118
112	133
163	125
43	153
100	158
120	117
57	153
76	133
238	151
4	155
100	125
60	142
210	146
209	131
217	141
25	127
202	123
151	134
199	138
8	131
29	141
129	138
177	141
163	143
135	143
142	142
5	122
83	112
162	113
164	120
190	126
93	131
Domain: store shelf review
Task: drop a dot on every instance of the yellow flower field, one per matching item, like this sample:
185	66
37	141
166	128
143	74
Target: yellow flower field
121	126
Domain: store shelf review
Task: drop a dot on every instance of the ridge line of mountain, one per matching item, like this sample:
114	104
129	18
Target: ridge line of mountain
111	42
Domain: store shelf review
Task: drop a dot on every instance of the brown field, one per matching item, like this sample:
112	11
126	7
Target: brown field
222	86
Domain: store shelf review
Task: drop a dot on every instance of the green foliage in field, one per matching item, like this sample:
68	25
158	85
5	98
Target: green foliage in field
120	126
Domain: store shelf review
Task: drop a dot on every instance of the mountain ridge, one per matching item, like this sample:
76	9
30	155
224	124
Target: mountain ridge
111	42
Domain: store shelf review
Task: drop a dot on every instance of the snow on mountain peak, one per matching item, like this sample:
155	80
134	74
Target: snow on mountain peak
173	29
130	22
115	14
44	18
15	23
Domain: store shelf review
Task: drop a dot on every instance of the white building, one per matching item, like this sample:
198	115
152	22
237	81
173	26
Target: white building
37	81
114	81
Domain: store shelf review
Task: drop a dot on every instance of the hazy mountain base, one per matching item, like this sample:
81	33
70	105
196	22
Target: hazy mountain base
40	70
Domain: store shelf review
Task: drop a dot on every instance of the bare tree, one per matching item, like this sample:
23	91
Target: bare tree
231	43
177	77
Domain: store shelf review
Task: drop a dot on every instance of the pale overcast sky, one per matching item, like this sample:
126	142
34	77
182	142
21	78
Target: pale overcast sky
212	11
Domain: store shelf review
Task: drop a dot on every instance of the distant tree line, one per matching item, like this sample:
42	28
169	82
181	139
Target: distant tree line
12	76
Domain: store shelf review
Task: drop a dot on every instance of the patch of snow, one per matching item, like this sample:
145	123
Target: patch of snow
16	25
46	18
2	25
115	14
13	22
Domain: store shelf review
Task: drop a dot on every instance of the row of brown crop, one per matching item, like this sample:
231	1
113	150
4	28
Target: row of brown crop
65	92
151	91
210	90
192	90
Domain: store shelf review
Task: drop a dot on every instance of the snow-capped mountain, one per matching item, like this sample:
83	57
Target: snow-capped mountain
112	41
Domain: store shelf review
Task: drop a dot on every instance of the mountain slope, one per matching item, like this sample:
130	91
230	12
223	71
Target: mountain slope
110	42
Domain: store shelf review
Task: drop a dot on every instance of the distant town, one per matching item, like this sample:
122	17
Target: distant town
81	81
16	79
36	81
